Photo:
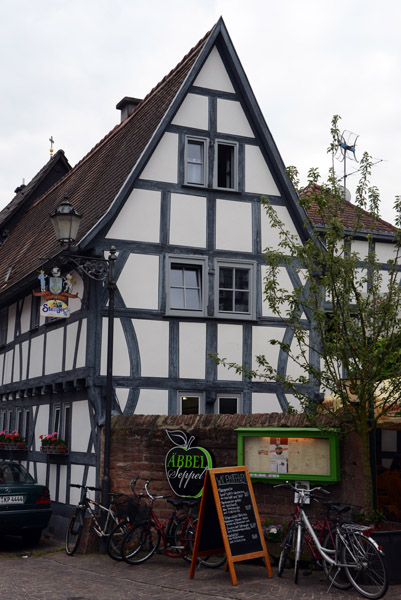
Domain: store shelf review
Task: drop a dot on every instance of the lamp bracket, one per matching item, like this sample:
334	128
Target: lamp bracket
94	268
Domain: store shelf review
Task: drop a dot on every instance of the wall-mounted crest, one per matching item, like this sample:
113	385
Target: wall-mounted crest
55	291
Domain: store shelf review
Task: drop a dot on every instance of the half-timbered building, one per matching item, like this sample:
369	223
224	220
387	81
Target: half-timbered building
176	188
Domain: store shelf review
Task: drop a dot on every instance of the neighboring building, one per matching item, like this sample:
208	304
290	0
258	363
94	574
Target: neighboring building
176	188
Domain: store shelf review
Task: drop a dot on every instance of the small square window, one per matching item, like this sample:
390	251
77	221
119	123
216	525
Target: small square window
185	286
195	161
235	289
190	403
226	167
227	404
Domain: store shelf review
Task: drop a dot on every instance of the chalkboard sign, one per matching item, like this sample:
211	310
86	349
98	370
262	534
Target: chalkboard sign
228	520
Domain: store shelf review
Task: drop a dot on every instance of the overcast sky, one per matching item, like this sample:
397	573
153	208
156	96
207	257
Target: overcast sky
65	64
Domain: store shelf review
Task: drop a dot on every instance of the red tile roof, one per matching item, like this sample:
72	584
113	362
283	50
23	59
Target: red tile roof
94	182
351	215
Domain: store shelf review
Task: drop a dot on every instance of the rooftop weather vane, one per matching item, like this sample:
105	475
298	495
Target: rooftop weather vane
346	149
51	140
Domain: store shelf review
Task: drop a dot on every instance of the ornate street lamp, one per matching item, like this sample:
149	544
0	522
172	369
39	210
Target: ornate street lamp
66	222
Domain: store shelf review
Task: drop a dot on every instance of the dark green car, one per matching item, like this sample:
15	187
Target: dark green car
24	504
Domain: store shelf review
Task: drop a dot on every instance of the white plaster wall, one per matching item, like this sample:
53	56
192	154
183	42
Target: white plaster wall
41	473
80	426
234	225
295	370
122	397
152	402
121	362
360	248
265	403
11	322
77	474
294	402
42	423
192	350
188	220
229	346
139	281
26	314
193	112
213	74
153	342
36	356
16	373
284	281
54	351
81	356
2	356
75	304
62	488
258	178
232	119
260	345
71	340
385	281
385	252
270	235
162	165
139	218
25	348
53	481
8	364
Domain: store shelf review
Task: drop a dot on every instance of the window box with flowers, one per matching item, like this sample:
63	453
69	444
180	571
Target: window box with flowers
12	441
52	444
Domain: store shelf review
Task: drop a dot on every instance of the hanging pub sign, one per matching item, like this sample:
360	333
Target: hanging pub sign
54	292
186	465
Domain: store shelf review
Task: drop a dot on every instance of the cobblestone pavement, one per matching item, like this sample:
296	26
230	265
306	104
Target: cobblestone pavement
47	573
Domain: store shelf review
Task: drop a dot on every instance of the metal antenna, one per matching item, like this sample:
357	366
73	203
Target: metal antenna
346	149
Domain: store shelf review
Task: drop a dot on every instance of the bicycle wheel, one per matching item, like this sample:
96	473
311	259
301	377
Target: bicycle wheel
285	549
184	537
115	539
369	575
140	543
336	575
74	531
299	540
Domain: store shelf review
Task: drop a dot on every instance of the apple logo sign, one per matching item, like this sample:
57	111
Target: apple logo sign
186	465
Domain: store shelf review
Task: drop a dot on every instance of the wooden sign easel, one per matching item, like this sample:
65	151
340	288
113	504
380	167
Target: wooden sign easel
228	520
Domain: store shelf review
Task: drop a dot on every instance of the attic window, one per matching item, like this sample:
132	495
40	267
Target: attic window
226	168
195	161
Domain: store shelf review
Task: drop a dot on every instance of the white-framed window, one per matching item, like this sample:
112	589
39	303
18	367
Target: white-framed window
191	403
186	286
196	161
226	165
228	404
235	289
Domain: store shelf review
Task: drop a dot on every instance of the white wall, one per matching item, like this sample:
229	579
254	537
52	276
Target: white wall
139	218
192	340
153	341
234	225
193	112
139	281
229	346
188	220
213	74
162	165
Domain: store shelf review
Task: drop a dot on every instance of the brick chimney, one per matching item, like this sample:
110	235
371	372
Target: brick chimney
127	105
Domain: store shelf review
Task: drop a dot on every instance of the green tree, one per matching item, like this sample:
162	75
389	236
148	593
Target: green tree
345	316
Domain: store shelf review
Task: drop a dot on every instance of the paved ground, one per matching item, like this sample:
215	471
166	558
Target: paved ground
47	573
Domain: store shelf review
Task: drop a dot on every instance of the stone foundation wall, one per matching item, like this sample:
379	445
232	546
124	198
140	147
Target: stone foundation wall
139	445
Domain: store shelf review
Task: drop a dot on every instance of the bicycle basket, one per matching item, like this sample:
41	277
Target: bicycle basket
138	510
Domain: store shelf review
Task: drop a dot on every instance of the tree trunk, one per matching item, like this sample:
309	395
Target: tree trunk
366	465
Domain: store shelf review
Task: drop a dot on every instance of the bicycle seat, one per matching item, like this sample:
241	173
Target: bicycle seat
178	502
339	508
116	495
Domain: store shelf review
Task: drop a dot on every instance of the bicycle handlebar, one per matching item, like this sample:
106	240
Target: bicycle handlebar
86	487
289	485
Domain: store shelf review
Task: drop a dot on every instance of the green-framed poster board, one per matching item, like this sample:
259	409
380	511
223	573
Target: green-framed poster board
289	453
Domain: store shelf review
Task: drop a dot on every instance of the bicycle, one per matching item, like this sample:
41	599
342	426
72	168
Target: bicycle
77	520
323	530
347	548
178	534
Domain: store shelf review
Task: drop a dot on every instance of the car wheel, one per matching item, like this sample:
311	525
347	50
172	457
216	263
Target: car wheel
32	536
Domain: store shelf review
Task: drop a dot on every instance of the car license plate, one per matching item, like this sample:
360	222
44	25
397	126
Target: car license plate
11	499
